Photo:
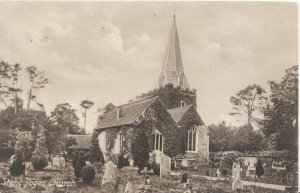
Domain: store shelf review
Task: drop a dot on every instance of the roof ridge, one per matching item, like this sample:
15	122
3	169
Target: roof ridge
180	107
138	101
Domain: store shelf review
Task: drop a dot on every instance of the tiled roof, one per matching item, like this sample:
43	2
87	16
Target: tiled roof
83	141
178	113
129	113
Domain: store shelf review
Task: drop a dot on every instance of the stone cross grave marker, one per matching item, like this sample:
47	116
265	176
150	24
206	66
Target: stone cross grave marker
109	173
237	183
165	165
146	183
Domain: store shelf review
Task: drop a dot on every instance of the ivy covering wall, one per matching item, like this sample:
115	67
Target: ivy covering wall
171	96
155	117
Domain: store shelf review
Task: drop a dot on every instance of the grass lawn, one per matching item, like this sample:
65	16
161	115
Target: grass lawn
45	181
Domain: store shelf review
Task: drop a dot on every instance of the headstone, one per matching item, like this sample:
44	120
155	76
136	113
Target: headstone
128	188
12	159
207	172
165	165
62	162
184	177
234	166
130	161
237	183
218	173
56	161
109	173
184	163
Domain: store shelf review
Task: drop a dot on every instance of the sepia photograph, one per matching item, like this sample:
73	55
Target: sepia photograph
148	96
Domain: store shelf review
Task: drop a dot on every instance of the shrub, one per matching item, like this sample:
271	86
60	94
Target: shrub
39	162
6	153
122	161
140	150
259	168
88	174
79	163
17	168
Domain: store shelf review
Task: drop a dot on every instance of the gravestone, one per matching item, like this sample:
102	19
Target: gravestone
130	161
184	163
237	183
62	162
12	159
184	177
55	161
207	172
234	166
109	173
128	188
165	165
218	173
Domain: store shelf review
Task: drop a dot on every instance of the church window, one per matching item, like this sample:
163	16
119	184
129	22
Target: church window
158	141
192	140
182	103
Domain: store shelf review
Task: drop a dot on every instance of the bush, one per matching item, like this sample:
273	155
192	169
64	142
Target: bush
122	161
79	163
88	174
140	150
17	168
6	153
39	162
259	168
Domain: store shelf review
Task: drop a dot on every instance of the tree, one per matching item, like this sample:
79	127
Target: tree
5	76
14	89
105	111
281	113
86	104
246	139
259	168
221	137
37	81
140	150
248	101
63	121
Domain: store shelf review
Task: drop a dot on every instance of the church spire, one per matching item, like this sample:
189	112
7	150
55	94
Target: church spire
172	69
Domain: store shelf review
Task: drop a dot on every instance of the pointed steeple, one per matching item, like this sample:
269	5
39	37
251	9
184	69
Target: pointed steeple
172	69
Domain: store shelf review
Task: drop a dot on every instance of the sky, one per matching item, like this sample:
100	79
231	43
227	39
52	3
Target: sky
113	51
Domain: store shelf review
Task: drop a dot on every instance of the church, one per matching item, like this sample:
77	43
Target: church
168	115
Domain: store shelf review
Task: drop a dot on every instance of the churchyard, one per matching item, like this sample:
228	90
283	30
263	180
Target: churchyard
59	176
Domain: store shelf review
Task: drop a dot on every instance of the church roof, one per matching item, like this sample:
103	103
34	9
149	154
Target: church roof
129	113
178	113
83	141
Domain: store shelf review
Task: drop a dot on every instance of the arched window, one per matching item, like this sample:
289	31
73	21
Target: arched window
158	141
180	79
192	139
121	141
